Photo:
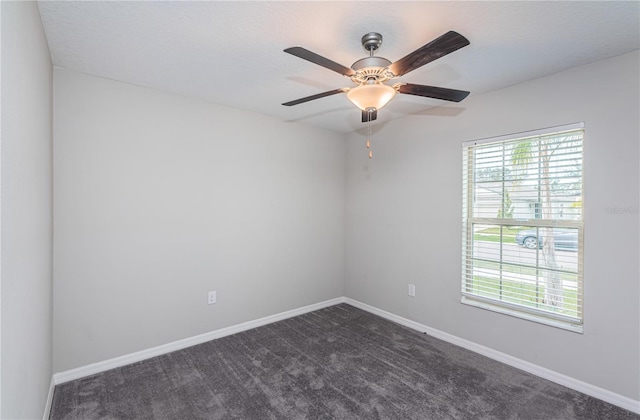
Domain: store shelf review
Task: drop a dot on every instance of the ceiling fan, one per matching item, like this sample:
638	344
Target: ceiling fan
370	73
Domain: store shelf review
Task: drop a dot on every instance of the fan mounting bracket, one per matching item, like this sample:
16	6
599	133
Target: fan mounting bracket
371	41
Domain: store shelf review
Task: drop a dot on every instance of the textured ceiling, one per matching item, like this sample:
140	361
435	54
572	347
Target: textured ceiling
230	53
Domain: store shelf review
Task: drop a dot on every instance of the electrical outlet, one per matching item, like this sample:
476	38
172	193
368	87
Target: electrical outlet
412	289
211	297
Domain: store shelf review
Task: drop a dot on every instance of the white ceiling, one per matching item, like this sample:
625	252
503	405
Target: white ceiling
230	53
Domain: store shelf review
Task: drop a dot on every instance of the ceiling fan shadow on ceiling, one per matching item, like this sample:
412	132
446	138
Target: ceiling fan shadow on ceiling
369	74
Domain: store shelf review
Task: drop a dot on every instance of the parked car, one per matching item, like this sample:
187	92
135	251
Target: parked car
563	238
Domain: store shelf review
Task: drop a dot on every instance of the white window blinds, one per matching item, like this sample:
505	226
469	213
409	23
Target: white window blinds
523	226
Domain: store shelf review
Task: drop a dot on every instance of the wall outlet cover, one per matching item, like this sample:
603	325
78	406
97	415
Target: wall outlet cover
211	297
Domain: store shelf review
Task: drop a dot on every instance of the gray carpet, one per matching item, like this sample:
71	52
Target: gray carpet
335	363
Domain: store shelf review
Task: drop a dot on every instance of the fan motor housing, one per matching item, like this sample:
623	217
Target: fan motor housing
371	68
370	62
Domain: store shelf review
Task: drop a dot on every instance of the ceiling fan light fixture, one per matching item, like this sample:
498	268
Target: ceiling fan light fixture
375	95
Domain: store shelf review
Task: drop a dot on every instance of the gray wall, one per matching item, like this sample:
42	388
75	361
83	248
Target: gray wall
160	198
404	219
26	212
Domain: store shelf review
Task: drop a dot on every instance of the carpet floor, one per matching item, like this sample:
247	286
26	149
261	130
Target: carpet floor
335	363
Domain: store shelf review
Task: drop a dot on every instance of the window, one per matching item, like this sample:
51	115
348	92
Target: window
522	247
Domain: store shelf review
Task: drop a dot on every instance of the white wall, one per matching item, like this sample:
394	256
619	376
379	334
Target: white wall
160	198
404	219
26	212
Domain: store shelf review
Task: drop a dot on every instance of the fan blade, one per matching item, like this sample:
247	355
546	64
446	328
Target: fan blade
320	60
433	92
435	49
316	96
366	118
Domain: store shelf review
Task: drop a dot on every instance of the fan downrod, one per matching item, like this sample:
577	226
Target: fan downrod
371	67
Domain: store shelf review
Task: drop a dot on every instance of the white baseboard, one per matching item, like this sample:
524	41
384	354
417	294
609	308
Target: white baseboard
47	406
575	384
138	356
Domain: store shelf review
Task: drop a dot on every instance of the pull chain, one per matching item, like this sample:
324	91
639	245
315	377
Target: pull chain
369	112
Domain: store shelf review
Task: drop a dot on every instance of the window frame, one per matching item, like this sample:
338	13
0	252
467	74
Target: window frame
546	317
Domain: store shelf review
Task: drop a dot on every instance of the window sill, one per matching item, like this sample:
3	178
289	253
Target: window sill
577	328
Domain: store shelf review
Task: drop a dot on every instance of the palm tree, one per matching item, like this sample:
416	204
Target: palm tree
553	292
522	155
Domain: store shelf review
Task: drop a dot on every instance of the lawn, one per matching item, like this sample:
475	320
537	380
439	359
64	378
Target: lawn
492	234
521	284
515	269
523	293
